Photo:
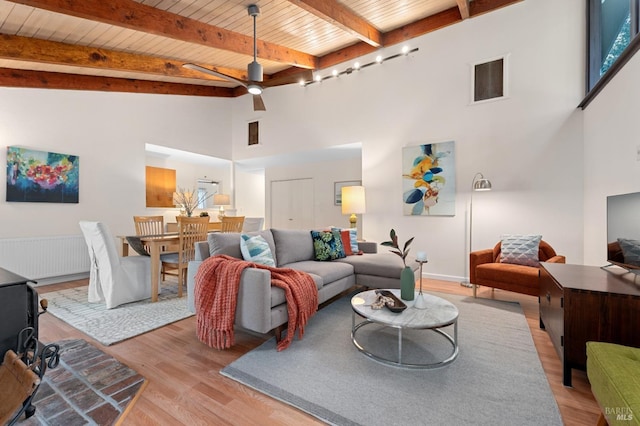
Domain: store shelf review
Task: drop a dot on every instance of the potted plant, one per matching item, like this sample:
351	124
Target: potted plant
407	278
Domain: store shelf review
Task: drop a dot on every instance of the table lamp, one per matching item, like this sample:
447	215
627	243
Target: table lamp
221	200
353	202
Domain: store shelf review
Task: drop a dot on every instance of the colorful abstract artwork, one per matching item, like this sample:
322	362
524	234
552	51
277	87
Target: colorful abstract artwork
429	179
41	177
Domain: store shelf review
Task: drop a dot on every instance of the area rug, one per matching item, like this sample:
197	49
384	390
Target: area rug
88	387
109	326
497	378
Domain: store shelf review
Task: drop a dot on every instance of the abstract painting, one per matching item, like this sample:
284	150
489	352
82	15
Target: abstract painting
41	177
429	179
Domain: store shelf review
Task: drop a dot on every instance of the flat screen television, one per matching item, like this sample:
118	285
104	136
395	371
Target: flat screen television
623	231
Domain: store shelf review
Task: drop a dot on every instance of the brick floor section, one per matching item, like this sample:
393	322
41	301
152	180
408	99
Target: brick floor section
88	387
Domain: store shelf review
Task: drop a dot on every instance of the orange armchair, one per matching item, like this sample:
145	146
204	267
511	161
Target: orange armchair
486	269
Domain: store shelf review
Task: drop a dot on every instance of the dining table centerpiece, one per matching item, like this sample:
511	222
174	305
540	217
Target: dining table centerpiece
407	277
189	201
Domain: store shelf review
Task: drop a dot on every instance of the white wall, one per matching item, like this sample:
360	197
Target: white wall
324	175
529	145
611	162
108	131
187	174
249	192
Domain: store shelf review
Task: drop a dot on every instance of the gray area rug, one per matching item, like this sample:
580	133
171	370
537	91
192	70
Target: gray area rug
497	378
109	326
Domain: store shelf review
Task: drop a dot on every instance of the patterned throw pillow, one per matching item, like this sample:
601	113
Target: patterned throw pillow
630	251
255	249
520	249
353	238
327	245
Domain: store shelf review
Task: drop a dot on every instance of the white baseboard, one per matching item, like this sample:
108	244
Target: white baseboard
452	278
61	279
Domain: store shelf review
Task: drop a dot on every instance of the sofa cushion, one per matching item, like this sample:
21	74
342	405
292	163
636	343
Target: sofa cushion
292	245
278	296
328	271
382	264
229	243
327	245
508	273
255	248
520	249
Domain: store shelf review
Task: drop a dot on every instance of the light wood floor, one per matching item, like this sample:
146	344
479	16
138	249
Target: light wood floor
185	386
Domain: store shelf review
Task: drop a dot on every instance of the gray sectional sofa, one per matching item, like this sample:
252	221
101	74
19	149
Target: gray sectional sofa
262	308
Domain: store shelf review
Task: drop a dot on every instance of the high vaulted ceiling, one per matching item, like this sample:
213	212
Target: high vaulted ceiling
140	46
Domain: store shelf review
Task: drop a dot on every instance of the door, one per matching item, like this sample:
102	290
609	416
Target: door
292	204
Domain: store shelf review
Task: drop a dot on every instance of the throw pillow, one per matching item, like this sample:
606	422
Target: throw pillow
255	249
630	251
353	238
520	249
346	242
327	245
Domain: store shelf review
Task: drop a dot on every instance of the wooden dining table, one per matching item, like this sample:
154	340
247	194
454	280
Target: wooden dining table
155	243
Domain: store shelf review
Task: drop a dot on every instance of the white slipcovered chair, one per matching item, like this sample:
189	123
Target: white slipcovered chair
252	224
113	279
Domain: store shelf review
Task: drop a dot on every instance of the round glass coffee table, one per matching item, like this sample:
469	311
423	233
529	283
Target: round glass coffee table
439	313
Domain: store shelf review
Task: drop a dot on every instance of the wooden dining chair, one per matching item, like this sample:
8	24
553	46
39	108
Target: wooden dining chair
149	225
190	230
152	225
232	224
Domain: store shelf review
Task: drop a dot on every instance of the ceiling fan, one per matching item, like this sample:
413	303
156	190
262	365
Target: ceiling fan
255	84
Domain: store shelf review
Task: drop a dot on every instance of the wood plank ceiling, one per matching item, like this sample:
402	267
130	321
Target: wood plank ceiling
140	46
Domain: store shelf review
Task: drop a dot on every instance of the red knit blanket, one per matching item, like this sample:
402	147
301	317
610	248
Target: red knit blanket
216	295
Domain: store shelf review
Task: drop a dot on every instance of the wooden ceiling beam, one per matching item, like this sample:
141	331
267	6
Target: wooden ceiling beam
413	30
463	6
10	77
399	35
52	52
479	7
342	17
423	26
140	17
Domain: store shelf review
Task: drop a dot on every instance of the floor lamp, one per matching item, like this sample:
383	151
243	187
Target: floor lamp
479	183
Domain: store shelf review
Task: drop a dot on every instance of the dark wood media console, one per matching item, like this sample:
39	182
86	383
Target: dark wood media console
586	303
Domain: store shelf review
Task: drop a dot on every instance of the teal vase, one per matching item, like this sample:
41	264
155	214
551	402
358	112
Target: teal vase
407	284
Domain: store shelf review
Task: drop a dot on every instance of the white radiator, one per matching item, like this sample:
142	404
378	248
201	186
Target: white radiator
45	257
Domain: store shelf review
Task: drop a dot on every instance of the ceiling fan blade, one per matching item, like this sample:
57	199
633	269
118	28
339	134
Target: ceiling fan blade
258	103
304	75
215	73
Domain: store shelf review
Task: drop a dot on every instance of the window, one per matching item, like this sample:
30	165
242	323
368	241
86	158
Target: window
612	26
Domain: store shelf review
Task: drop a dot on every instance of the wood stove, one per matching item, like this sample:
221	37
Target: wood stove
18	309
19	330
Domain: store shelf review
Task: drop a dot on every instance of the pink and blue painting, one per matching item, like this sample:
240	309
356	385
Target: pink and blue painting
41	177
429	179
